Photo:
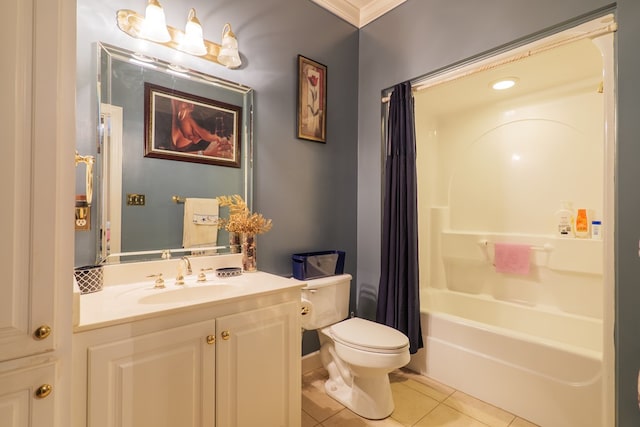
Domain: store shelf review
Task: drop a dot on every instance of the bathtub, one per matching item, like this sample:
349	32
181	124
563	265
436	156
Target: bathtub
542	365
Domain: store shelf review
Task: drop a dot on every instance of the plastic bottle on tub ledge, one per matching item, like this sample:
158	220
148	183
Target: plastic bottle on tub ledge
582	224
596	229
564	220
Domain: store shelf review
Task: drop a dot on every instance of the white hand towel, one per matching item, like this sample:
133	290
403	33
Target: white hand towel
200	224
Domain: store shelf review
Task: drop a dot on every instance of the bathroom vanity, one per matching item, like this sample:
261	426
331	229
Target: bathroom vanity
225	352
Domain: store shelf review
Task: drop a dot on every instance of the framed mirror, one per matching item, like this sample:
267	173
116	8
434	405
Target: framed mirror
165	134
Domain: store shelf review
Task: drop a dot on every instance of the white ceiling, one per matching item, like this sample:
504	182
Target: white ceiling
576	63
359	12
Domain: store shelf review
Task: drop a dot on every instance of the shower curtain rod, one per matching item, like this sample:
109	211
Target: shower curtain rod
416	86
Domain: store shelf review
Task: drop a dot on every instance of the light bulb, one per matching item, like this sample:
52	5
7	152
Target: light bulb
154	27
229	56
193	42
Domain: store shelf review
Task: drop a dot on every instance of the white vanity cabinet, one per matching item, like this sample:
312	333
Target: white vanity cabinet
236	364
36	171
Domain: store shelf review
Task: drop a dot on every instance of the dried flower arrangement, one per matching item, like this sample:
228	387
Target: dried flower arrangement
241	220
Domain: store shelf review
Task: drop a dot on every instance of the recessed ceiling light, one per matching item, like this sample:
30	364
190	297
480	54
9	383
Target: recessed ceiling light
505	83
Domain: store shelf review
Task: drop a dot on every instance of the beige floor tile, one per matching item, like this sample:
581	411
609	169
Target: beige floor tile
445	416
314	376
410	405
346	418
307	420
444	389
519	422
420	383
475	408
315	401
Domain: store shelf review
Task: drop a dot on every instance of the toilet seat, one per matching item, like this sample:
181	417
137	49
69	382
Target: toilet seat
369	336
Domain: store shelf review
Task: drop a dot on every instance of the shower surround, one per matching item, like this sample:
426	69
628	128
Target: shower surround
497	171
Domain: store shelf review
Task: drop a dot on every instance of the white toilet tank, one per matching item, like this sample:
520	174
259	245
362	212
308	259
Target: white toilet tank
328	300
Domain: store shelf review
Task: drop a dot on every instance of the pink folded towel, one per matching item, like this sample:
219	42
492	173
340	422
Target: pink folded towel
512	258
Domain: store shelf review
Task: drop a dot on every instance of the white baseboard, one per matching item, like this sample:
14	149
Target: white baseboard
311	362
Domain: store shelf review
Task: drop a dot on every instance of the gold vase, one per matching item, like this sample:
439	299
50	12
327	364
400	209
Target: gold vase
249	252
234	242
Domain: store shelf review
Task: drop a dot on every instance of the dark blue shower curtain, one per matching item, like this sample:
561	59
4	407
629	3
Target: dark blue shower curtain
398	291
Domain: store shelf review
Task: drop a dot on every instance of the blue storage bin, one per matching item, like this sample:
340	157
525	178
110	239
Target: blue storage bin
313	265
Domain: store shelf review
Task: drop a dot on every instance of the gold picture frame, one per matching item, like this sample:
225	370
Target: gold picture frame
312	100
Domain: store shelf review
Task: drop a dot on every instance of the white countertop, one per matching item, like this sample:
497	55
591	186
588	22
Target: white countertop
121	303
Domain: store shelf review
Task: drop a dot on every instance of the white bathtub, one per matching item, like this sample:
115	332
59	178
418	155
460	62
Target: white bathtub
542	365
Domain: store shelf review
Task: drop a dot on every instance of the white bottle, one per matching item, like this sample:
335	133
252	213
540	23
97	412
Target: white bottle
596	229
564	220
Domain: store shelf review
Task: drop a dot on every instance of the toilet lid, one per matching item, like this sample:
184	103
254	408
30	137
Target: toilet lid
366	334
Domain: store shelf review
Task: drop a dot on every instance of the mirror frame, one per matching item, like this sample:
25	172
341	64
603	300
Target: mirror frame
103	166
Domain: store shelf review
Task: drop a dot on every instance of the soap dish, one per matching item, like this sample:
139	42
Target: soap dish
228	271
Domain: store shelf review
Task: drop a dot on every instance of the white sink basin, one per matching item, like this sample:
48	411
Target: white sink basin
187	294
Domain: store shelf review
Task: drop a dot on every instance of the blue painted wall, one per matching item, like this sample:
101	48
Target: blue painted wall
328	196
307	188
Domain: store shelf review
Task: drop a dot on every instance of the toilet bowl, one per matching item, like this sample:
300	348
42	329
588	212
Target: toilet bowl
357	353
367	357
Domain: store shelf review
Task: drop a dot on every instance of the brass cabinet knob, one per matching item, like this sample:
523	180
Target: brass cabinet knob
211	339
43	391
42	332
225	335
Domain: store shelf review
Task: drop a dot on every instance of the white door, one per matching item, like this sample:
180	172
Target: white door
27	166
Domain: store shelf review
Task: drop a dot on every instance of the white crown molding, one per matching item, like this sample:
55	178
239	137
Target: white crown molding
375	9
358	12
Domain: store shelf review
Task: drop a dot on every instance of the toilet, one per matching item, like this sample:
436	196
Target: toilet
358	354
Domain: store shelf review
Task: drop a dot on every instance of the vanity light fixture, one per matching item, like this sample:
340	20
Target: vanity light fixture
190	41
504	83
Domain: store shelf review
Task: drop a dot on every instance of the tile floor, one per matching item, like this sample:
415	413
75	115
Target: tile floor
419	402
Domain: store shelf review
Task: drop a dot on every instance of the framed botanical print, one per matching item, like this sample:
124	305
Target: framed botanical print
312	100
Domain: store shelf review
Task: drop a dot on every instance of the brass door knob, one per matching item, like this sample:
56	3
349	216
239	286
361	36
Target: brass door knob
211	339
43	391
225	335
42	332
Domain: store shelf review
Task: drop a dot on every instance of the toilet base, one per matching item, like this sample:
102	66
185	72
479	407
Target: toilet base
368	397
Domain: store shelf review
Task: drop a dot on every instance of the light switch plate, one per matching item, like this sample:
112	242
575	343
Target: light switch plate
135	199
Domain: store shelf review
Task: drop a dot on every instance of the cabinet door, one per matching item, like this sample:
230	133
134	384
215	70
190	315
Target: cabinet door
258	367
162	379
31	117
27	397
